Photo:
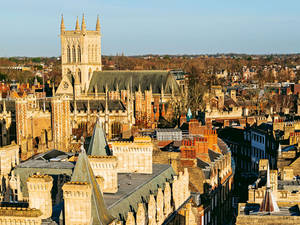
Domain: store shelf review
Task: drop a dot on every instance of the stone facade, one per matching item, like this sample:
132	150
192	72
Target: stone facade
78	205
134	157
14	216
9	158
80	54
106	167
39	190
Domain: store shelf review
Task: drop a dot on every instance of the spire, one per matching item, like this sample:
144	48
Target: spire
77	25
83	26
98	145
62	24
84	173
269	203
150	89
139	87
98	24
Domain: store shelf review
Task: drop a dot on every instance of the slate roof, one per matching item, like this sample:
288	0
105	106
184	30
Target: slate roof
134	79
84	173
135	188
97	105
213	155
43	164
98	144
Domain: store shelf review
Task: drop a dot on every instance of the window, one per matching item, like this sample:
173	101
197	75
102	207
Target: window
68	54
79	75
73	54
79	54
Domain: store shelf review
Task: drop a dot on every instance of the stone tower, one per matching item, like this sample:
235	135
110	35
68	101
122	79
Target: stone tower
39	191
80	53
61	122
78	205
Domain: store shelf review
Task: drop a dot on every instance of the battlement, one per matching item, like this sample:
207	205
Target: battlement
76	189
36	178
141	139
19	212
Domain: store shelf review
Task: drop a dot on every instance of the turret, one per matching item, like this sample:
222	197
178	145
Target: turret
83	25
39	191
62	24
98	24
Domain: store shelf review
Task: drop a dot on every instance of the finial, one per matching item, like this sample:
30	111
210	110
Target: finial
150	89
82	144
139	87
62	24
77	25
98	24
83	26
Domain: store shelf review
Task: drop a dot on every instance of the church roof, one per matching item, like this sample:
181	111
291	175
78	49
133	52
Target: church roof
144	79
84	173
135	188
98	144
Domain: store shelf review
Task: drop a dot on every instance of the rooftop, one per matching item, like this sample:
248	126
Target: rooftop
135	188
253	210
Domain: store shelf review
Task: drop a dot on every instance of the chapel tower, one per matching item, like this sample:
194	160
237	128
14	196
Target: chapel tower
80	53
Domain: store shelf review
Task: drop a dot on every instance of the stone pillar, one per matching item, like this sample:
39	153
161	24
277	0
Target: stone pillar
78	205
167	199
140	215
130	219
160	207
39	191
152	210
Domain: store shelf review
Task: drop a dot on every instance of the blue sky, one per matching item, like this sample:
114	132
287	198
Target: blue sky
31	27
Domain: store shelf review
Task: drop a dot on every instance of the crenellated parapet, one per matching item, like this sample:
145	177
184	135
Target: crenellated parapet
13	215
133	156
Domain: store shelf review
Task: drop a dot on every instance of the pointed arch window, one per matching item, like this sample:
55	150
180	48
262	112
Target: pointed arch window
89	53
79	75
68	54
79	54
92	53
73	54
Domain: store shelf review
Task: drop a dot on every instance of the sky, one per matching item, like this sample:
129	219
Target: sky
136	27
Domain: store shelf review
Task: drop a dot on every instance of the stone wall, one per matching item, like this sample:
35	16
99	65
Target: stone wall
133	157
106	167
78	207
39	191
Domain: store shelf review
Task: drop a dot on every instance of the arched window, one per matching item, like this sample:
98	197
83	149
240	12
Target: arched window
96	55
73	54
90	73
79	75
92	53
79	54
89	53
68	54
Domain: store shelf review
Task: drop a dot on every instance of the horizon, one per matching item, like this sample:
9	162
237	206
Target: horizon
155	28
